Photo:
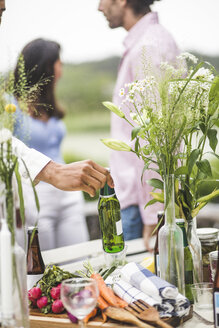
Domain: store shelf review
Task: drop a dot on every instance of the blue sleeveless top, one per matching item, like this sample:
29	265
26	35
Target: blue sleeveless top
45	137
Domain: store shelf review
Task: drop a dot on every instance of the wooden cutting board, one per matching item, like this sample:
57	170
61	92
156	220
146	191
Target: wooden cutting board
40	320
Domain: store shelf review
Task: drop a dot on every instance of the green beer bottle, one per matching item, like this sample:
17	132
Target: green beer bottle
110	220
188	262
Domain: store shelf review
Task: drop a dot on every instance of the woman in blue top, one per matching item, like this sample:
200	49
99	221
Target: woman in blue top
61	218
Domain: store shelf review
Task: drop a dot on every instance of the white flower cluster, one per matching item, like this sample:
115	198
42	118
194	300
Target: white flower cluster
186	55
5	135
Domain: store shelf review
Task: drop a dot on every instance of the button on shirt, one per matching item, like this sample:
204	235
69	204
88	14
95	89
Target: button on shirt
146	37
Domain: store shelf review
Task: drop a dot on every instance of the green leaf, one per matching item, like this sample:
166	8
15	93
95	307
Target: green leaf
209	197
202	127
205	167
146	165
182	170
32	184
197	209
151	202
137	146
212	137
135	132
116	144
20	193
156	183
213	104
157	196
113	108
192	159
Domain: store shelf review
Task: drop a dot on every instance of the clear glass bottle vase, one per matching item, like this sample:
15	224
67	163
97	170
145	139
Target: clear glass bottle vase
196	250
19	271
170	238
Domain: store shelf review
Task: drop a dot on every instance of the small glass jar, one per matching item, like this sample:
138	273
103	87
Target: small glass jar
209	239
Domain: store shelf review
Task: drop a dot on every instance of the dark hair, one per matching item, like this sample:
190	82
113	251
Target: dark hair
140	6
39	58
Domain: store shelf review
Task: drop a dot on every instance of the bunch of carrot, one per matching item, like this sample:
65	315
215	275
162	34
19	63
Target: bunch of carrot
106	297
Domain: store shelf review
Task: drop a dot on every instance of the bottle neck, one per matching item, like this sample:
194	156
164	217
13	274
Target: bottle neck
107	191
169	200
182	227
33	240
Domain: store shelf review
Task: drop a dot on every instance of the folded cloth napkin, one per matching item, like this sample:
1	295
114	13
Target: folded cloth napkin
131	294
147	282
182	306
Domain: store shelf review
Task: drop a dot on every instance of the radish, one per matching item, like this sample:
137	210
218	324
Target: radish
35	292
30	297
57	306
55	293
42	302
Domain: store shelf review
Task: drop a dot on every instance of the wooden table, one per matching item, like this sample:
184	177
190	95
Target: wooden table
74	256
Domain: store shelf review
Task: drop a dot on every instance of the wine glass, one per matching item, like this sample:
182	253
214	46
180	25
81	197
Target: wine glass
79	296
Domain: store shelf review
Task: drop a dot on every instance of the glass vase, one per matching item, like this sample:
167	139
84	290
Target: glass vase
170	238
19	279
196	250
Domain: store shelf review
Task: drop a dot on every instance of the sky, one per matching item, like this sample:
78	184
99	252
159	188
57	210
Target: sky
84	34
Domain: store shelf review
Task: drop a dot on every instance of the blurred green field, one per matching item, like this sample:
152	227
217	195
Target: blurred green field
81	92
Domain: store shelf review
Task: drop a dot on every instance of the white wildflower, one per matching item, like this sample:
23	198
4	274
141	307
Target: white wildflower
187	55
5	135
205	74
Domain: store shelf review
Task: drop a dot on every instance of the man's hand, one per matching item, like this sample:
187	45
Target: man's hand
147	231
85	175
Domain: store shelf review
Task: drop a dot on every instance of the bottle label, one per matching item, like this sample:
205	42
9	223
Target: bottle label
119	230
32	279
107	196
158	265
216	309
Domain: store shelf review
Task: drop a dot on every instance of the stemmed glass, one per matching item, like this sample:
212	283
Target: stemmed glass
79	296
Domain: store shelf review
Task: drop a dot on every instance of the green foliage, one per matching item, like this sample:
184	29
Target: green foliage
168	112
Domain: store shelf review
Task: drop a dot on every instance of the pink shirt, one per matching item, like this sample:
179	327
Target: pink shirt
126	168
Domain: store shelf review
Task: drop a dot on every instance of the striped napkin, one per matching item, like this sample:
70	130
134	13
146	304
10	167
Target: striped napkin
147	282
131	294
139	283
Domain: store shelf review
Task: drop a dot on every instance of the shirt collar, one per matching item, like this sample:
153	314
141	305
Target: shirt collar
139	28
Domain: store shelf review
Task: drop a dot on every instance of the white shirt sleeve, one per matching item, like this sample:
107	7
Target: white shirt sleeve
34	160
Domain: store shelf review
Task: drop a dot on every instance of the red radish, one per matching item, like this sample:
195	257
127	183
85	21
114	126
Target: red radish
42	302
59	286
55	293
36	292
57	306
30	297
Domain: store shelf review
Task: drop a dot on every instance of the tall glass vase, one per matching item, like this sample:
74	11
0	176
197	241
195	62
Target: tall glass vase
170	238
195	248
19	280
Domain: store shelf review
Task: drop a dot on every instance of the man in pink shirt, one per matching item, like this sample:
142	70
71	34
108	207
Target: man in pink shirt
145	36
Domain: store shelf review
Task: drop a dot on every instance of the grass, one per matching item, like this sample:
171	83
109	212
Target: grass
88	121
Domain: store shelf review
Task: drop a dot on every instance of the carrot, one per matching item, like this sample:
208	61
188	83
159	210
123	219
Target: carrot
104	316
90	315
101	303
105	291
121	303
